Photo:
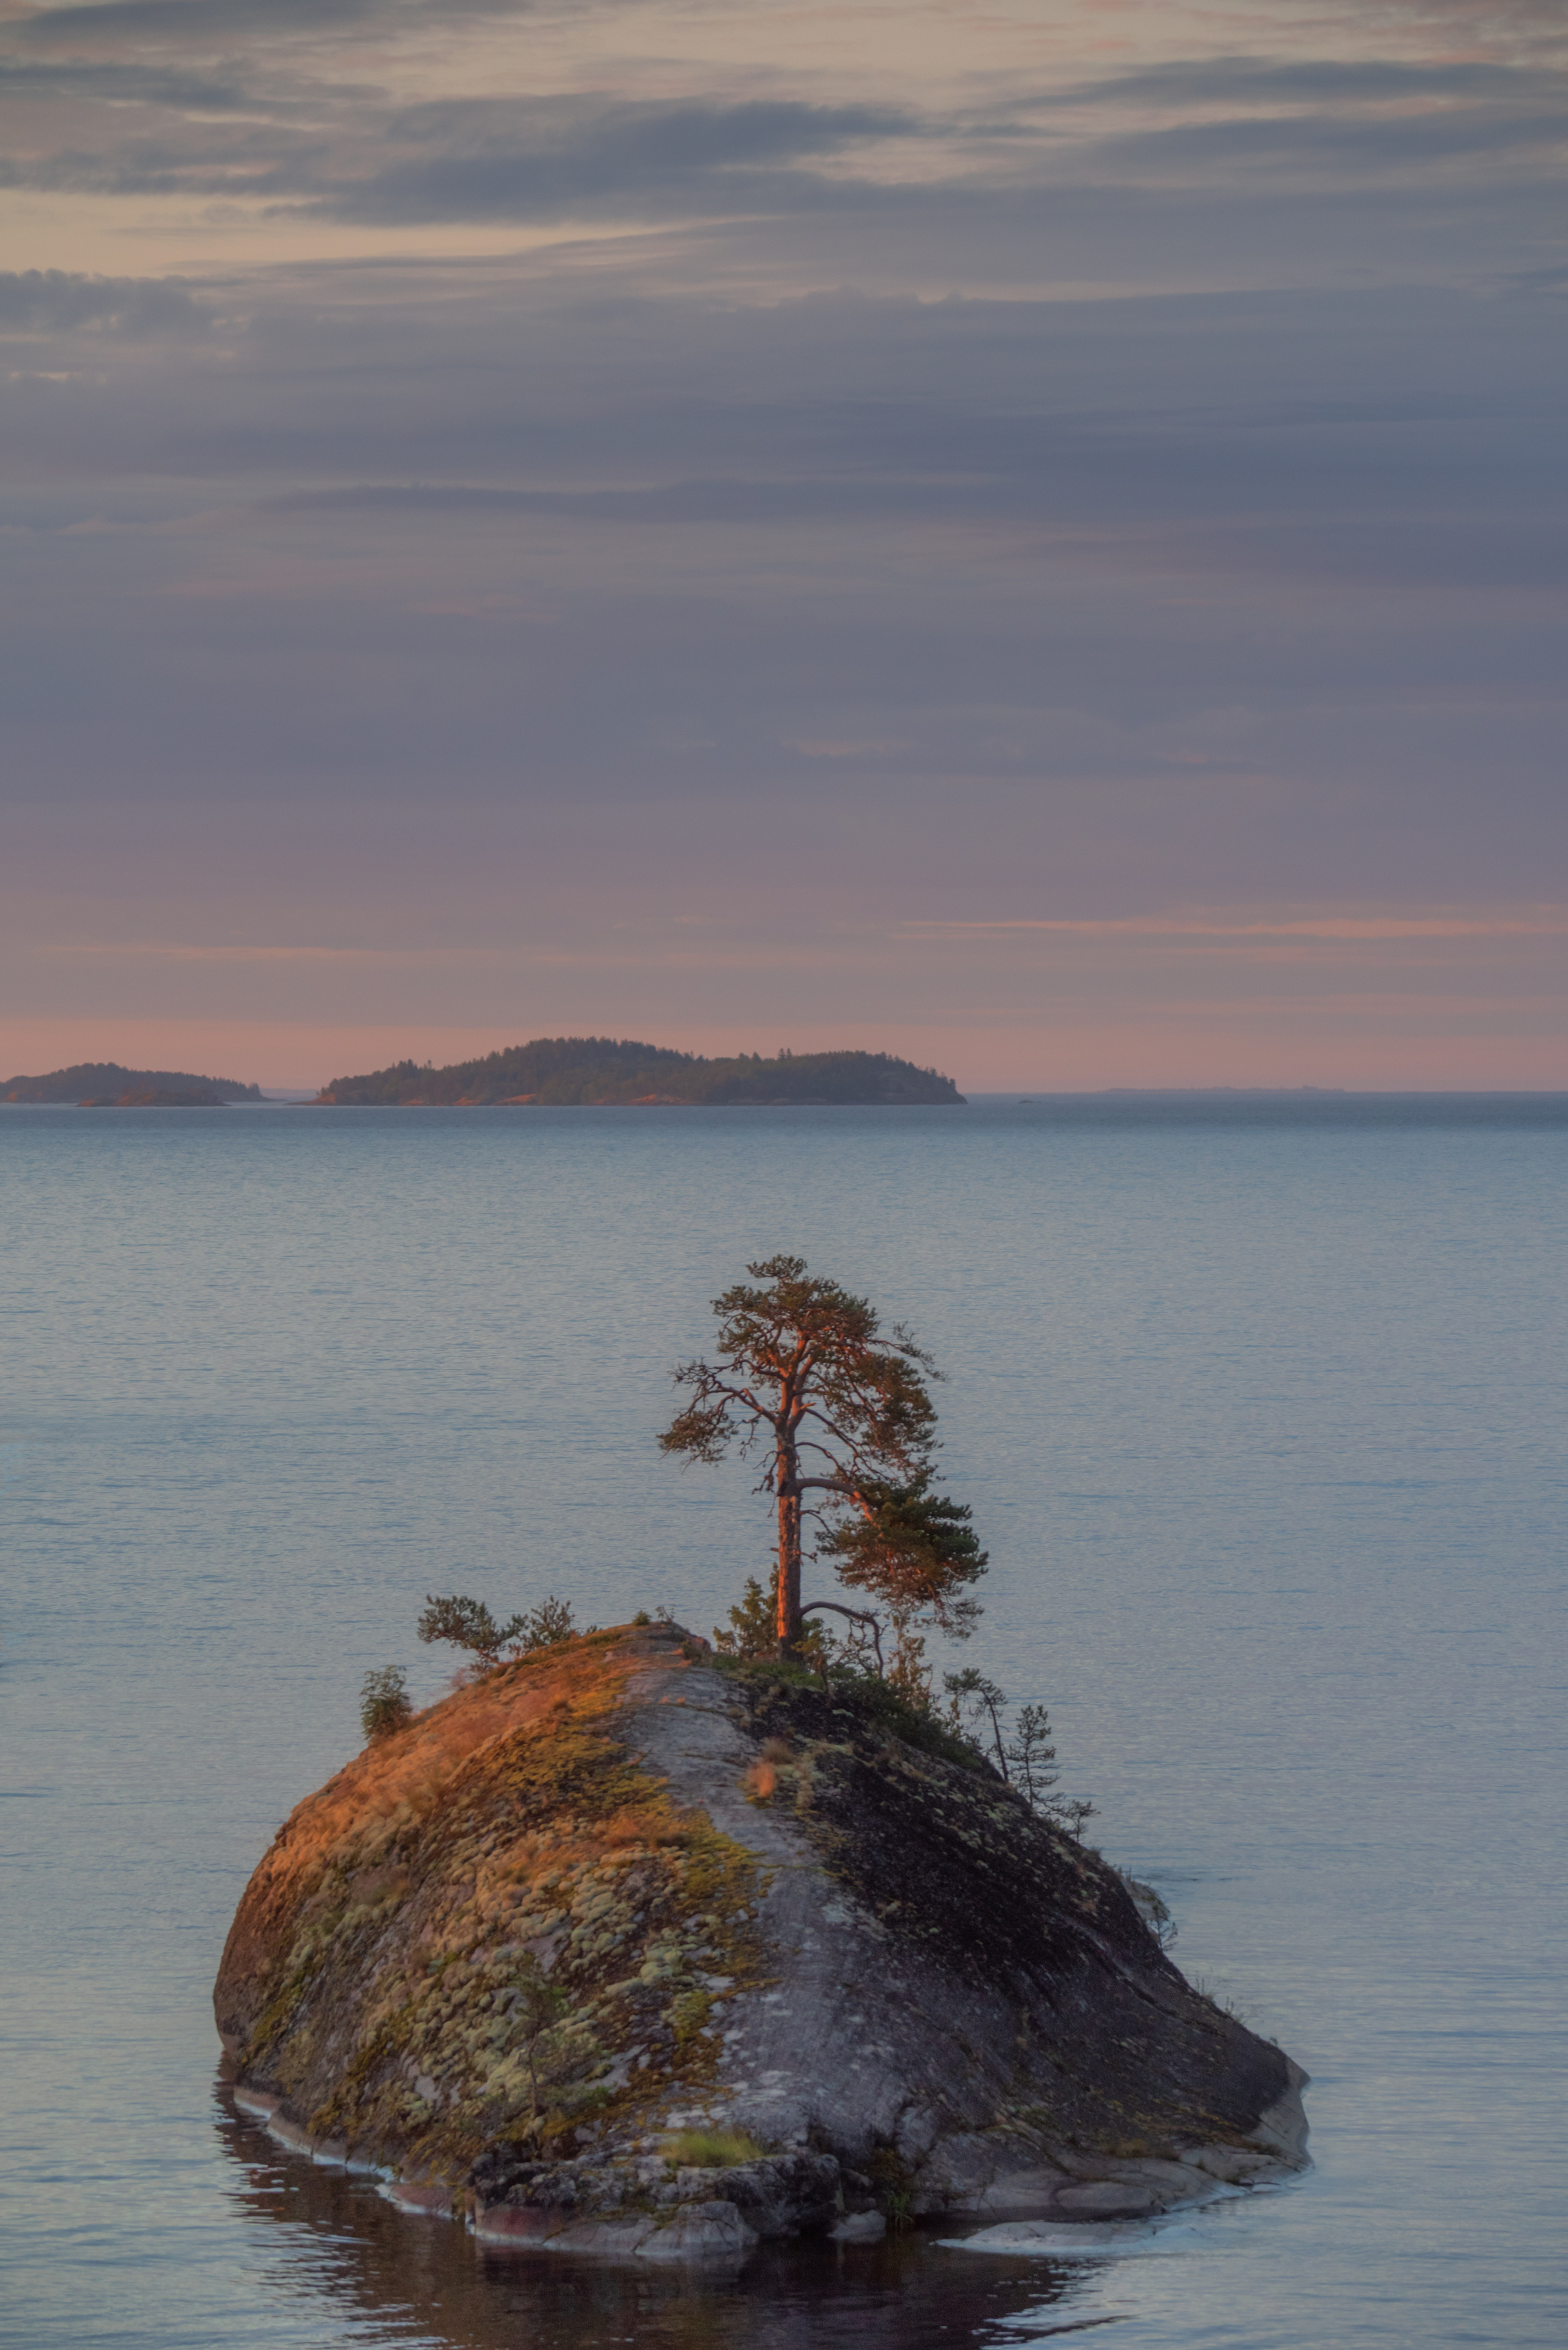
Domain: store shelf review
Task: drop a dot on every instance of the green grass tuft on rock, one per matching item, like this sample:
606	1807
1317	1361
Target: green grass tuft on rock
700	2149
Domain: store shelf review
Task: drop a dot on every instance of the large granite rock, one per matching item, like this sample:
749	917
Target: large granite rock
872	1970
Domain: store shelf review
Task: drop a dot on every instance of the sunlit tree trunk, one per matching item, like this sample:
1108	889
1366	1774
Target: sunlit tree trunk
787	1590
788	1585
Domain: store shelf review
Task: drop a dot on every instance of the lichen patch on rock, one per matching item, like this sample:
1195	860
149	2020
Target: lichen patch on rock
376	1976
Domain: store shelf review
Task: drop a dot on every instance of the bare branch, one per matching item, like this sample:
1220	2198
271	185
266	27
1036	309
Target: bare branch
856	1615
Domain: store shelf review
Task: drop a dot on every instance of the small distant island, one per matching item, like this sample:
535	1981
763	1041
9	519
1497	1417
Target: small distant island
601	1072
104	1085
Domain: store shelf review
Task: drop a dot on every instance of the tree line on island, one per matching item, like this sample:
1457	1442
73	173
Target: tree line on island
105	1085
837	1413
603	1071
551	1072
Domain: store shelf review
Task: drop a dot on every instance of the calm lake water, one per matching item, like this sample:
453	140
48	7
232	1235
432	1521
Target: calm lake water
1260	1405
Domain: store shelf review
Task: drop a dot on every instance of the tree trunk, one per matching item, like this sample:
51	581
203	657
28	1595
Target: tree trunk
786	1587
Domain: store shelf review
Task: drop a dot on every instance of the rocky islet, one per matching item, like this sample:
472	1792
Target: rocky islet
801	1975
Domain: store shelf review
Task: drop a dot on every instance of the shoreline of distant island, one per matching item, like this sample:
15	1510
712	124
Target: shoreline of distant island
550	1072
603	1072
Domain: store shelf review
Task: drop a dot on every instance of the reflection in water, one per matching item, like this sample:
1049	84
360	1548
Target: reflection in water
379	2277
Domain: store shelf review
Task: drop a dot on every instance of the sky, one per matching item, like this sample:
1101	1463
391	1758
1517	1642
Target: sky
1027	534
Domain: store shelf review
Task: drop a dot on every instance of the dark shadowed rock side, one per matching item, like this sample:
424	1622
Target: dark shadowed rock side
756	1913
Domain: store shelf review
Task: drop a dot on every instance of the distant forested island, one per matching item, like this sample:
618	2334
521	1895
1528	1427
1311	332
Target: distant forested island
600	1072
98	1085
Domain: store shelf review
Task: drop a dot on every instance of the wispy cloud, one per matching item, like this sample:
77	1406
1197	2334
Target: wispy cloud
1070	496
1219	81
1546	922
199	25
123	85
230	951
56	301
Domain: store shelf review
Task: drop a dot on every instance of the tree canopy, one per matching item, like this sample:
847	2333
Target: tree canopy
107	1080
840	1413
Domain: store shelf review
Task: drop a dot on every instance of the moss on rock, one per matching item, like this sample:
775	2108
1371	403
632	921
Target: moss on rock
374	1973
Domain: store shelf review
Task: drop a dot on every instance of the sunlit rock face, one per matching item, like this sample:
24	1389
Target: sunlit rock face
623	1952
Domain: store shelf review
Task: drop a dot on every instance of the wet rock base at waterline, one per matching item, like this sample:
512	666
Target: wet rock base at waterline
620	1951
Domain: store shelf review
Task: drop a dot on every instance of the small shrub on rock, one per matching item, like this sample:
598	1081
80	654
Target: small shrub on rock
384	1702
1026	1759
752	1630
545	1625
540	2011
468	1623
